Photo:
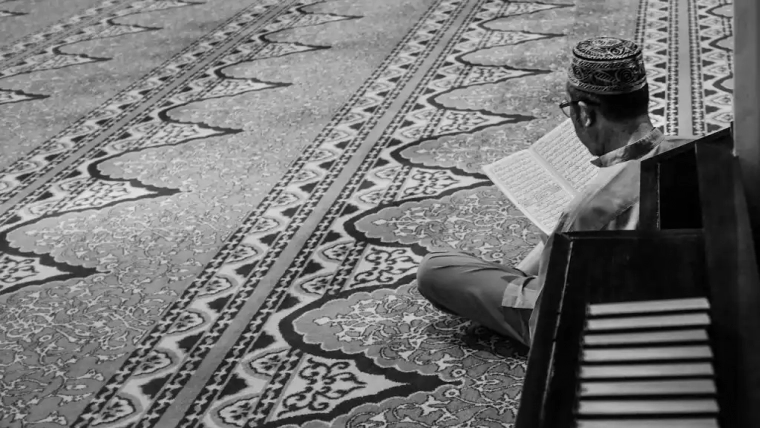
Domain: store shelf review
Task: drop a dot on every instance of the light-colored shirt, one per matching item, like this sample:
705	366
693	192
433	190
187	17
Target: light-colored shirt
610	202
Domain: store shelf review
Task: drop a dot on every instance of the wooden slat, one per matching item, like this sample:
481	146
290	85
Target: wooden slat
648	306
648	337
646	407
649	423
681	387
647	354
633	371
681	320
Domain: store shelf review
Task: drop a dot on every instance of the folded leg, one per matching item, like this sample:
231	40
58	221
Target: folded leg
467	286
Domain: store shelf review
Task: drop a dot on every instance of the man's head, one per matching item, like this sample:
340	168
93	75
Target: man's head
607	91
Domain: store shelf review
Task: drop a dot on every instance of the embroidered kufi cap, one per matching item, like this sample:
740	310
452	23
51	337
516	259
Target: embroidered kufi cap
607	66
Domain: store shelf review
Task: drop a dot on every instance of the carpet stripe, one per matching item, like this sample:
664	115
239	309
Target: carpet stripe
328	139
27	45
274	298
42	163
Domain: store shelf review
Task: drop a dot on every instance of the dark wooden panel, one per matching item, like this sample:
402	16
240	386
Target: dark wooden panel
733	279
670	190
748	308
598	267
695	240
649	190
747	107
680	206
621	266
541	353
607	267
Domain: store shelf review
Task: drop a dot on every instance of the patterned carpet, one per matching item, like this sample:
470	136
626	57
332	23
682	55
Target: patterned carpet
211	212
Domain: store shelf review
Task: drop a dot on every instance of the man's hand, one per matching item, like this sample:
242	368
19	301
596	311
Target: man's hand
530	263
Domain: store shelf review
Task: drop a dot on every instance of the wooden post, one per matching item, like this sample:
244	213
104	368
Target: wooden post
747	151
747	105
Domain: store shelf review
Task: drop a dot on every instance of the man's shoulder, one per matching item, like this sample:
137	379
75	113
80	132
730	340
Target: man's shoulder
614	190
680	139
673	141
668	143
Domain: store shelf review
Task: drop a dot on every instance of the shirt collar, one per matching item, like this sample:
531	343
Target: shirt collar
634	150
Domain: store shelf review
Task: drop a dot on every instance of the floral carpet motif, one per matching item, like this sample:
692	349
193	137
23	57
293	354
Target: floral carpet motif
212	212
478	221
396	328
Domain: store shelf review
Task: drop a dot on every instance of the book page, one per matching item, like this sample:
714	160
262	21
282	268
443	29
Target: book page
565	153
532	188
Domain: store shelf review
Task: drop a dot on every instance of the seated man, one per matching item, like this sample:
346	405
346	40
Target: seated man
607	101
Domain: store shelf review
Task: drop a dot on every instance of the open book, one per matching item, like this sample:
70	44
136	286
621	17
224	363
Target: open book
543	179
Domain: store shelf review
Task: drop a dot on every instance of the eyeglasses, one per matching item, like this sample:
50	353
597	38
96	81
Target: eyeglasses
565	107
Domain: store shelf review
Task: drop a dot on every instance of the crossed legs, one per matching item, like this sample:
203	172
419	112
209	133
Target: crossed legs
466	286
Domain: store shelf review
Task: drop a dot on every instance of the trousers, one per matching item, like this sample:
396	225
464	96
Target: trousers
464	285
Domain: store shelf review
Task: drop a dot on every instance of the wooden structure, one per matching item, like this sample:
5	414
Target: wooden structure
747	105
688	354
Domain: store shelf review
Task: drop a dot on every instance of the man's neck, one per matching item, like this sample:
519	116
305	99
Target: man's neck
620	135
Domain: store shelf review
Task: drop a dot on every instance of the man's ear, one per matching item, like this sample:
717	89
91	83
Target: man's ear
586	114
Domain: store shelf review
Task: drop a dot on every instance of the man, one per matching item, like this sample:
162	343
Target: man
608	100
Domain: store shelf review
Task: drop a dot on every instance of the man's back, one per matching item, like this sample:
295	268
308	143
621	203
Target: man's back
611	201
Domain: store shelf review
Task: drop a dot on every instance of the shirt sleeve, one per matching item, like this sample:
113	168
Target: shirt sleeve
521	293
